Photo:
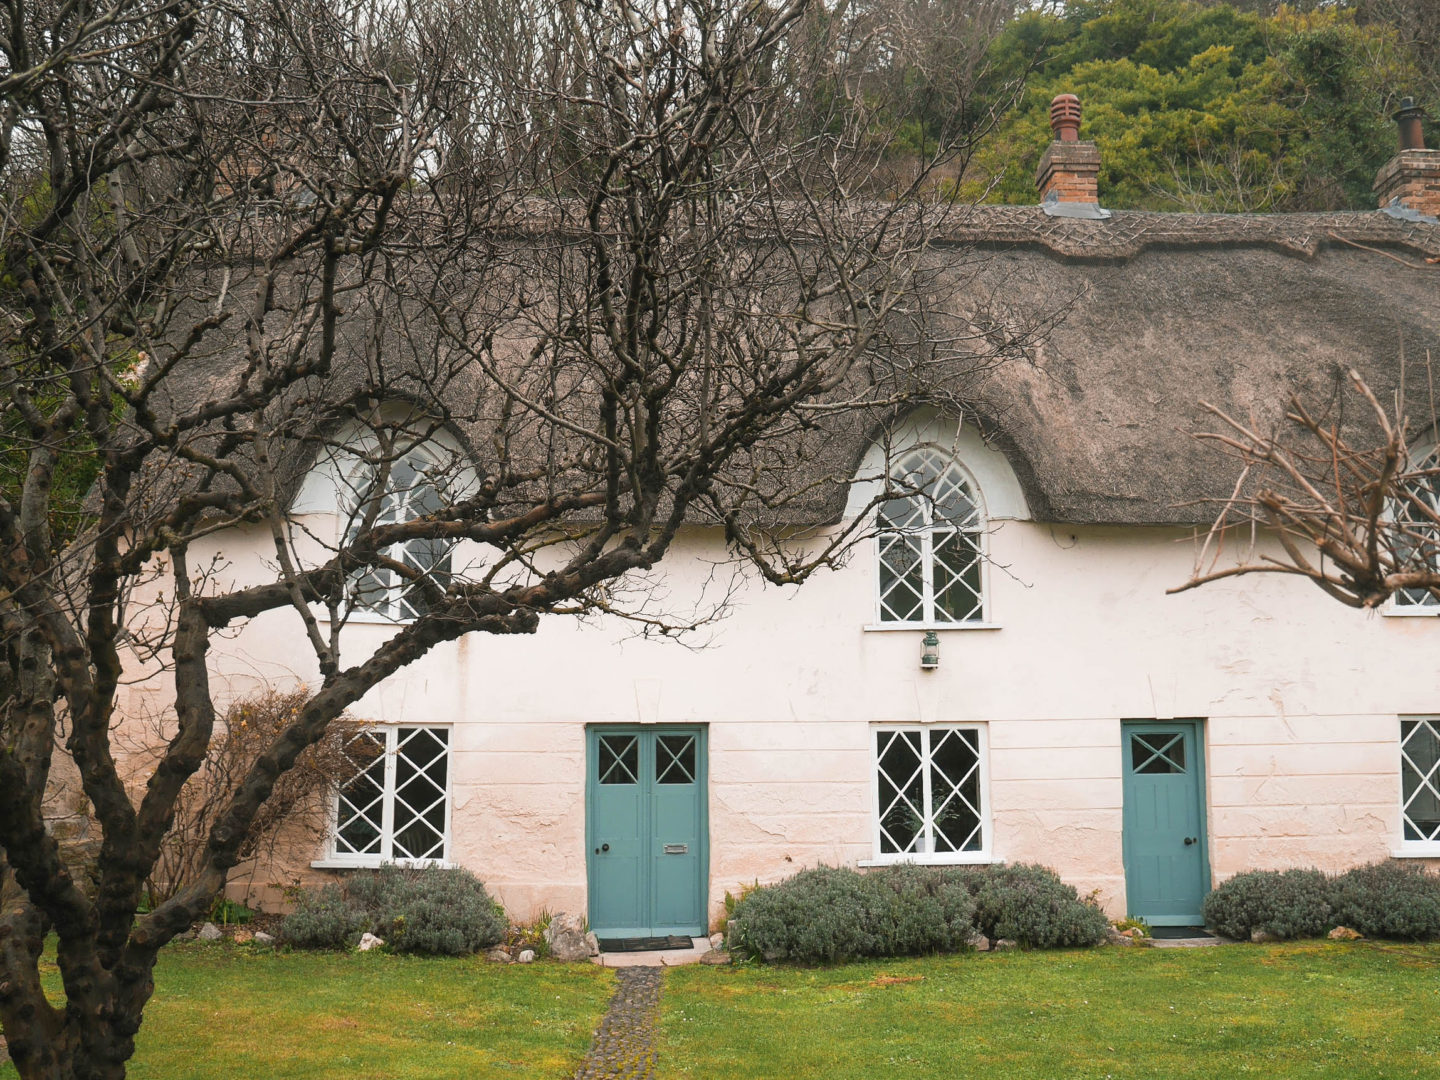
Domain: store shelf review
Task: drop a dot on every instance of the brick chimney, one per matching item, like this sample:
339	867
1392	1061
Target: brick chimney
1069	172
1411	178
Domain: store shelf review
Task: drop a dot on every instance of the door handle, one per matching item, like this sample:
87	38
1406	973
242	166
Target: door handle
602	847
1190	840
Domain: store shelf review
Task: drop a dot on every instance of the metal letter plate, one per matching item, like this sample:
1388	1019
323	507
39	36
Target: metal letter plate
677	849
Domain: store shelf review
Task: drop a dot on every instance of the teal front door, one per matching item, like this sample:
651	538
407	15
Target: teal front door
1167	873
646	831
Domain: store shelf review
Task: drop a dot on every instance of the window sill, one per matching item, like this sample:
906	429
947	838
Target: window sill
1417	851
368	618
1418	611
963	858
375	864
880	628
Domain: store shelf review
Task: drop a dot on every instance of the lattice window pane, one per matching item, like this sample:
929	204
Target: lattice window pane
957	577
902	579
901	514
1158	752
421	770
930	547
955	789
1420	778
900	775
412	488
619	759
929	792
1418	516
360	810
396	807
675	759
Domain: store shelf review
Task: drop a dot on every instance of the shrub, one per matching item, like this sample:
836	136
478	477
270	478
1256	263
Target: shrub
1031	906
921	913
827	915
324	919
1388	899
1282	903
817	916
432	911
445	913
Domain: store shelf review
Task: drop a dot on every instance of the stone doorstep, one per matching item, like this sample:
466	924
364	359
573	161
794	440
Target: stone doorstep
1188	942
658	958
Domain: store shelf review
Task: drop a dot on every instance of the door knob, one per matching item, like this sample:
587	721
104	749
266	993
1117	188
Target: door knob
604	847
1190	840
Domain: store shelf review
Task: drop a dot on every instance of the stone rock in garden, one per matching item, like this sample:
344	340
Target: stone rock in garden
566	936
1344	933
499	955
717	941
188	935
210	932
715	956
1005	943
1118	937
592	943
241	936
370	941
979	942
264	940
1260	937
527	956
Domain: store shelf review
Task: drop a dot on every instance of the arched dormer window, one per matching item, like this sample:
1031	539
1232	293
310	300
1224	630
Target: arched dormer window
389	491
1417	516
931	543
392	467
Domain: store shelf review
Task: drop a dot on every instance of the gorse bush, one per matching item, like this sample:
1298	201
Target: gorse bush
1285	904
829	914
1033	907
1388	899
433	912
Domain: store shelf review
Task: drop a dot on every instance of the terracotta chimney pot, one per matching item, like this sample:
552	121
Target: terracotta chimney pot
1065	117
1411	179
1408	119
1069	171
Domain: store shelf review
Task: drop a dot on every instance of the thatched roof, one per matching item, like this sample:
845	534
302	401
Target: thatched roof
1171	310
1158	313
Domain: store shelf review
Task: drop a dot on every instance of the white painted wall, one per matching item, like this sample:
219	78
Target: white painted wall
1300	698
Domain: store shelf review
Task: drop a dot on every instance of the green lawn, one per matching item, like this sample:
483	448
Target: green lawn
222	1012
1310	1010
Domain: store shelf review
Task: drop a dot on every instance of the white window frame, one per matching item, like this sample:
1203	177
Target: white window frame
985	854
980	533
1405	848
1428	606
338	860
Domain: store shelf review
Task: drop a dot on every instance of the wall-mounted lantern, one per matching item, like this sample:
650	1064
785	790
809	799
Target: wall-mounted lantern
930	656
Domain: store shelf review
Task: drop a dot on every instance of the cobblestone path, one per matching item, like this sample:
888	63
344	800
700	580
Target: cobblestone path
625	1044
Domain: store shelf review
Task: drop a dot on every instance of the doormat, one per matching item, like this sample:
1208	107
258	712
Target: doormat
1170	933
644	944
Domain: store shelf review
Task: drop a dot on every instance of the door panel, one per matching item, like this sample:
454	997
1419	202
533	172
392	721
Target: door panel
646	831
617	797
1166	870
675	835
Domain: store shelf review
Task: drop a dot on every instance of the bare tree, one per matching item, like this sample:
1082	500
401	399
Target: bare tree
1339	500
533	284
